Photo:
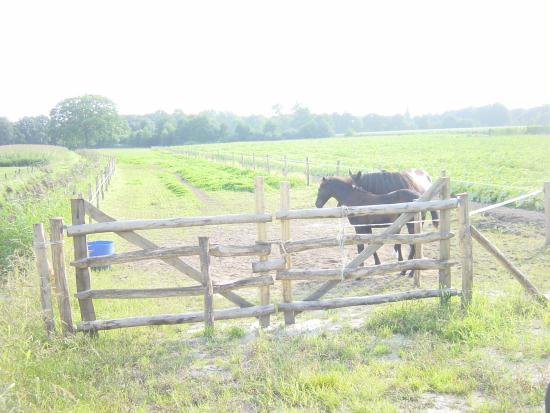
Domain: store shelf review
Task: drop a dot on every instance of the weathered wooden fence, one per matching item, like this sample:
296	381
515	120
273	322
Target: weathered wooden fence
102	182
280	264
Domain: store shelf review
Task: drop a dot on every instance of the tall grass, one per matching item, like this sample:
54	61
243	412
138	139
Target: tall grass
38	200
22	160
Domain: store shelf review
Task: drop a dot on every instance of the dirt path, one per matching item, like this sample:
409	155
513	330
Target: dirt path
208	204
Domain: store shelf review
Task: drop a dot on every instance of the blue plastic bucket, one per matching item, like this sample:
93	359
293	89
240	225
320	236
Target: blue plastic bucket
97	248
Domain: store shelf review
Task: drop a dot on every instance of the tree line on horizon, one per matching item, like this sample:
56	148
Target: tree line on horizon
93	121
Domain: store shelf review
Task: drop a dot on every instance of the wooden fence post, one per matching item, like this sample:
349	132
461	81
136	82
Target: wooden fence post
90	198
418	254
337	168
547	210
207	283
60	275
285	236
97	191
78	212
444	229
261	229
43	268
465	244
307	171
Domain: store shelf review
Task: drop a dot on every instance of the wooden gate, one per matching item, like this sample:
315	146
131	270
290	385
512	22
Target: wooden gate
408	211
262	249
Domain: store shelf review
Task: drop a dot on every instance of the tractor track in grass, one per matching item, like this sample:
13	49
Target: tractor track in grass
208	204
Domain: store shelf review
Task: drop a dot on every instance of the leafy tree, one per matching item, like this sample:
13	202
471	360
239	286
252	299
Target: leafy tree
270	127
32	130
86	121
200	129
243	132
7	134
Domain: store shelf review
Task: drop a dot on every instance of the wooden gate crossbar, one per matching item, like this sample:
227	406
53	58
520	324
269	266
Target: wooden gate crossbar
164	319
362	272
264	310
135	225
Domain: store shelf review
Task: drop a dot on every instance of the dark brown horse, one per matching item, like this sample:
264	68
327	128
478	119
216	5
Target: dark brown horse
383	182
343	190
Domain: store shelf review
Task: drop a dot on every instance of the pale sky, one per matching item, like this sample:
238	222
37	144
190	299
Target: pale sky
245	56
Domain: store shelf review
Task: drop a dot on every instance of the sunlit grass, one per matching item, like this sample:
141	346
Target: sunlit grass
516	164
488	357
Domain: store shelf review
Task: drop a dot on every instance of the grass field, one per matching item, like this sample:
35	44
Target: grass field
397	357
490	168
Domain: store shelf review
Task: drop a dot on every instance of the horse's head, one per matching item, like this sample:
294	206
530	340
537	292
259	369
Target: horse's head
336	187
324	193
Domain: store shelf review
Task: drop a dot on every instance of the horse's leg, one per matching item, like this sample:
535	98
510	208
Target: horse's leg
361	247
375	254
412	250
397	248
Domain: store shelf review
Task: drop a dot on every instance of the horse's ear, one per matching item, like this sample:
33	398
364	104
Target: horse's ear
324	179
350	173
358	174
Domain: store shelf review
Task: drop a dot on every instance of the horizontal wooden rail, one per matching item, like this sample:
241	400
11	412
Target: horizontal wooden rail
261	249
160	253
121	258
367	300
176	291
134	225
508	201
384	209
163	319
314	243
336	274
269	265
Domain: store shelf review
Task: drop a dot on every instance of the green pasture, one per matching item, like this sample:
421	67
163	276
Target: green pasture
490	167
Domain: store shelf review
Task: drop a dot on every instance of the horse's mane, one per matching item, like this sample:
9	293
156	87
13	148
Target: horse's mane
384	182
